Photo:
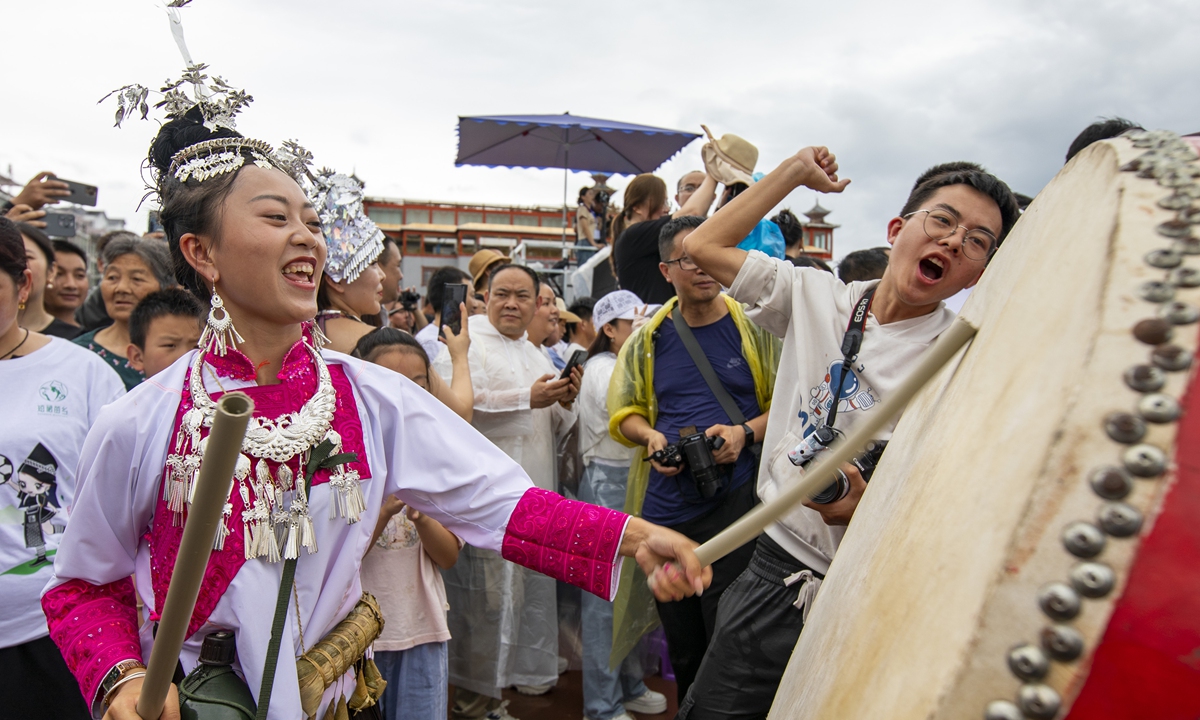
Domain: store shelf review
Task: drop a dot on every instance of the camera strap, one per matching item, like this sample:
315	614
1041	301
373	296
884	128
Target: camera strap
706	368
851	344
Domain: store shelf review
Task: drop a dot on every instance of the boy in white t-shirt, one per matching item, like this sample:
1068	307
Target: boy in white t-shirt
954	220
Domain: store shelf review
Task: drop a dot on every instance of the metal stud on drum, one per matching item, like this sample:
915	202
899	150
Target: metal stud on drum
1028	662
1110	482
1124	427
1164	258
1083	540
1171	358
1038	701
1145	378
1156	291
1002	710
1179	313
1059	601
1092	579
1159	408
1145	461
1120	520
1153	331
1185	277
1062	642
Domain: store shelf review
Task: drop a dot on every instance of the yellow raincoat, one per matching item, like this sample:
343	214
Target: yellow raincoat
631	391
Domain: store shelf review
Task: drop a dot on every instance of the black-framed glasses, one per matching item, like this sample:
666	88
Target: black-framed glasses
977	244
685	263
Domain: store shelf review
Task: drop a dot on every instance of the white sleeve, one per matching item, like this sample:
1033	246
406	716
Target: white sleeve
439	464
117	485
767	285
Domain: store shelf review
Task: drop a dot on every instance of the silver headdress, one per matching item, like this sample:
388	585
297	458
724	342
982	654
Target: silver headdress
354	240
207	100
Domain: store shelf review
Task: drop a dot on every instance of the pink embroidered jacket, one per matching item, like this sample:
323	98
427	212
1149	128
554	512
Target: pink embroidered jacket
407	443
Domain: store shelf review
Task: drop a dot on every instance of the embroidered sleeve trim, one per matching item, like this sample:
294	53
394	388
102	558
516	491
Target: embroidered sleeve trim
94	627
566	539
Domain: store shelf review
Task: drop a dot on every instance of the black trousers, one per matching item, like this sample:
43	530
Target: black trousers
757	629
690	623
35	683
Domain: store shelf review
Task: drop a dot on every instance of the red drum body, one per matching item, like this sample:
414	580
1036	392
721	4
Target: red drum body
1029	546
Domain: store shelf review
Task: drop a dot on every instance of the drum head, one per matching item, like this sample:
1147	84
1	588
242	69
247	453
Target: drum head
1017	517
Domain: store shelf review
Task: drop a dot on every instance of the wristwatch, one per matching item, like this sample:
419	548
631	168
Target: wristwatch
110	681
749	434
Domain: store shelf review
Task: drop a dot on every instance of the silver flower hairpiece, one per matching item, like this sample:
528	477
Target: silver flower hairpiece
219	102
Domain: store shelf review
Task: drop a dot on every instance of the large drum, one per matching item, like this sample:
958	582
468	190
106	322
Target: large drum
1030	544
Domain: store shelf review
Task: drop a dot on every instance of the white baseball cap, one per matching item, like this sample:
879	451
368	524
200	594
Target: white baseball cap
617	305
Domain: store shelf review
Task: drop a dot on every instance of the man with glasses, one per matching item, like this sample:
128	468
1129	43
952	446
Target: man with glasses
687	186
942	239
658	394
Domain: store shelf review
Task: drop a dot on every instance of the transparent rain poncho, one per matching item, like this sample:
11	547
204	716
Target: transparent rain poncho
503	618
631	393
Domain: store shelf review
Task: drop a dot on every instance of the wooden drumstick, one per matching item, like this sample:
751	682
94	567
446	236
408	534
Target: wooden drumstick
821	475
233	413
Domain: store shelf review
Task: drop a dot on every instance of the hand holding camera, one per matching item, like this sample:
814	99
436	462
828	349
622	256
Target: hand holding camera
734	441
656	450
695	452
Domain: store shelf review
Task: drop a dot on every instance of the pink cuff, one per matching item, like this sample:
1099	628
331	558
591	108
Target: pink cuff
95	627
568	540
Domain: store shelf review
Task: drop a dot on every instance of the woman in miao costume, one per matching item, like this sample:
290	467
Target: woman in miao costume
244	235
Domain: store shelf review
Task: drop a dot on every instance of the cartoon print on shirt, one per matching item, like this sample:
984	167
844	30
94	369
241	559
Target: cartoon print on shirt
36	487
398	533
854	396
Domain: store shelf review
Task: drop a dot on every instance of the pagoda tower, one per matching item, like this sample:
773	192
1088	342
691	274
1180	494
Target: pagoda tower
818	233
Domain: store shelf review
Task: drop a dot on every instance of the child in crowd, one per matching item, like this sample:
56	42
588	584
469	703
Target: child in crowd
401	569
163	327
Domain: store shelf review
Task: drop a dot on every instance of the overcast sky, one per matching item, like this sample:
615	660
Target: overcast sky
376	87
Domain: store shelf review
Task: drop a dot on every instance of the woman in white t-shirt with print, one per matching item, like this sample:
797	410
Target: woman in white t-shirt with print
52	392
402	568
607	694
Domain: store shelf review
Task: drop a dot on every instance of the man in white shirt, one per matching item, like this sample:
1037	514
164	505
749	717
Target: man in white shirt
438	281
503	618
943	237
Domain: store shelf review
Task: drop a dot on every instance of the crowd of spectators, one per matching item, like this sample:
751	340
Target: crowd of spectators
686	351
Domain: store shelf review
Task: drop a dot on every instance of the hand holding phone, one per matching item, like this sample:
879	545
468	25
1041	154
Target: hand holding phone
59	224
577	358
452	303
79	193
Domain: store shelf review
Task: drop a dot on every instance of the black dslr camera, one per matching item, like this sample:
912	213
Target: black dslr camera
865	463
409	299
695	452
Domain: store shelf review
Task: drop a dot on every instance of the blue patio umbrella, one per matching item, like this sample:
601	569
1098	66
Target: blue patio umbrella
568	142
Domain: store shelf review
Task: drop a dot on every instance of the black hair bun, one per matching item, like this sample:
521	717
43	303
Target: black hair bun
180	133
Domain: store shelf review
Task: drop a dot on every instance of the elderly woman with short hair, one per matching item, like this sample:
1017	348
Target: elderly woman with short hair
133	268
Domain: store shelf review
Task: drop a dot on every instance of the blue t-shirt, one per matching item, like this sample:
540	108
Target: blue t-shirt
684	399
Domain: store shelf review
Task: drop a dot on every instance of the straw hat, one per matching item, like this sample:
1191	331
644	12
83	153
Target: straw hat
483	261
565	314
729	159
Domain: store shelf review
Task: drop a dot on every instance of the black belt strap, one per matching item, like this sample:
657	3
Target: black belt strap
706	368
851	344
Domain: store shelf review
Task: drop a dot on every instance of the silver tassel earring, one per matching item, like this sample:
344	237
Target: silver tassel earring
219	333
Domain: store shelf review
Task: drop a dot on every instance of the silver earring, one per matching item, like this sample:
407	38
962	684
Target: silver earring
219	333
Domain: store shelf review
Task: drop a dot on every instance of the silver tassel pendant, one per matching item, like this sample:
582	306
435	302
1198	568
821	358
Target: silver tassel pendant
223	526
348	499
291	546
308	535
